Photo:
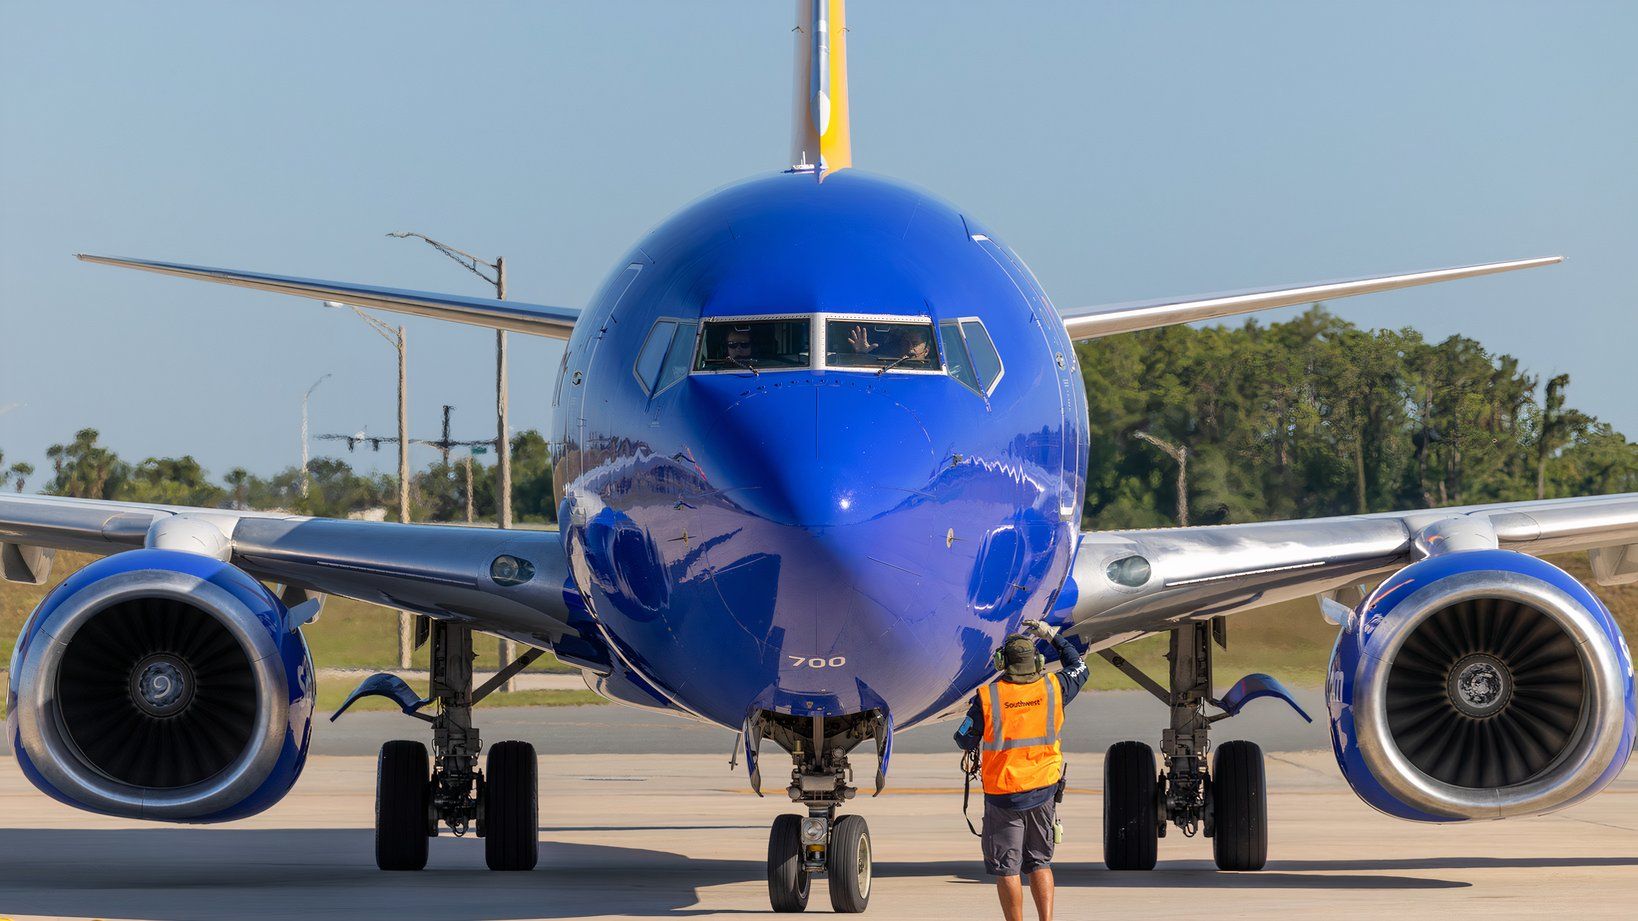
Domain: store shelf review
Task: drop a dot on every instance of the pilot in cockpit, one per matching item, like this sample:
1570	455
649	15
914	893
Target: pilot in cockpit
738	346
897	344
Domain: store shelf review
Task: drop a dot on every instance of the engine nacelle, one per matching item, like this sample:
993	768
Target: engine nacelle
1480	684
158	684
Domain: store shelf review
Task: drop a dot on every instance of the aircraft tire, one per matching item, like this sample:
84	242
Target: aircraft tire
848	865
511	807
787	878
1131	829
1240	801
403	800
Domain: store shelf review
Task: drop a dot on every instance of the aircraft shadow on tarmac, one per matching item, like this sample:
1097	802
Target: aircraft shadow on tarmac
186	873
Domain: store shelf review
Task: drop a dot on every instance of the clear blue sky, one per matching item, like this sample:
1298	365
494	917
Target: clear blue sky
1125	150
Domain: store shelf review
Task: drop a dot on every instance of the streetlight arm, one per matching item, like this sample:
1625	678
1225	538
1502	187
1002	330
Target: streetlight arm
316	384
466	259
384	330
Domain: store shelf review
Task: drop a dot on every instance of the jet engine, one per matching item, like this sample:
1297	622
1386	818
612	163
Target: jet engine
1480	684
159	684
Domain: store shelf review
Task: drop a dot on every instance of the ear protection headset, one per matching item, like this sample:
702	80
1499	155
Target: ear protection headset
1000	654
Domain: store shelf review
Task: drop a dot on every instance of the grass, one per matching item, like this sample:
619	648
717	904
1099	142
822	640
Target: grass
348	634
332	693
1289	641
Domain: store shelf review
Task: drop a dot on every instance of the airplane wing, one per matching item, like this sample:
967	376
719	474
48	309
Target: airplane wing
1126	584
1108	319
534	319
438	570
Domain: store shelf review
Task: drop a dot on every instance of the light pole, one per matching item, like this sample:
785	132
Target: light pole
307	478
395	337
503	440
503	444
1180	454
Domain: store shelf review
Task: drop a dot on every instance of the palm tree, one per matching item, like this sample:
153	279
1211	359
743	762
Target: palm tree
238	478
86	469
21	471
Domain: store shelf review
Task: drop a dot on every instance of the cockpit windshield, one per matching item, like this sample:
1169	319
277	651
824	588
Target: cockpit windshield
754	344
880	345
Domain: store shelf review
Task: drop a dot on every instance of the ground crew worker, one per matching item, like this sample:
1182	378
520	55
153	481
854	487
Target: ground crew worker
1017	725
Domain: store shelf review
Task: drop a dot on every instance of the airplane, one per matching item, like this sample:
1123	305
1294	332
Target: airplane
820	446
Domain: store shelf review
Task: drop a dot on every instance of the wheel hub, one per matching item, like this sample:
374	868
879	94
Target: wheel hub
162	685
863	867
1479	685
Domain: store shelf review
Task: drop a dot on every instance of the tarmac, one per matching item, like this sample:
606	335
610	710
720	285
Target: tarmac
665	834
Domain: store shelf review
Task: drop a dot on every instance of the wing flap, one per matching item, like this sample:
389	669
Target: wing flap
1108	319
533	319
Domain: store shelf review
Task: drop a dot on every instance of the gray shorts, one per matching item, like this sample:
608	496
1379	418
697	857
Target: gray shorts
1018	842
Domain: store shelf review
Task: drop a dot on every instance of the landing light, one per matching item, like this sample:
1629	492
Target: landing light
1131	571
509	570
813	830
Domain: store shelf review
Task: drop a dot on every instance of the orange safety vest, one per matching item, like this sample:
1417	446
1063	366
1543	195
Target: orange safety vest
1022	725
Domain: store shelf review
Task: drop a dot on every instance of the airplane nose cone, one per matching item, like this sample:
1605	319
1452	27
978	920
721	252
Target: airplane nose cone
816	452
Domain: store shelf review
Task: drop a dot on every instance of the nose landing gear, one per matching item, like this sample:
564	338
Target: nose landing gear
801	849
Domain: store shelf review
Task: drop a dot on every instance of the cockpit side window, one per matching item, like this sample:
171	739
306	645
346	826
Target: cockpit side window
647	368
679	356
665	355
880	345
955	354
987	365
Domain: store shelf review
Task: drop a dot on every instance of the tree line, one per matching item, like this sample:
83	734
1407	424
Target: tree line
1309	417
1315	416
87	469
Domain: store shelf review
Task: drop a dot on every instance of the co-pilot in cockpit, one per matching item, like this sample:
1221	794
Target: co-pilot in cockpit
843	342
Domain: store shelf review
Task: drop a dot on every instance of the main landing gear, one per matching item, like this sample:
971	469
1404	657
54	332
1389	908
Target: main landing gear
415	794
800	848
1228	803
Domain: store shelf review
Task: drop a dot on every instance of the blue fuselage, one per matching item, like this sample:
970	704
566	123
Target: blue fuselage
818	541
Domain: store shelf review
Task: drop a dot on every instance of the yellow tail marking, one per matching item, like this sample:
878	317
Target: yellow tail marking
820	135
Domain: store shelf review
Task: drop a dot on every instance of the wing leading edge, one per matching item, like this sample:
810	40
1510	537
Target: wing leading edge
1108	319
1198	572
533	319
442	571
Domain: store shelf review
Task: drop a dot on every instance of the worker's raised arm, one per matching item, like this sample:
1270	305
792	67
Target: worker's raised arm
1074	673
971	731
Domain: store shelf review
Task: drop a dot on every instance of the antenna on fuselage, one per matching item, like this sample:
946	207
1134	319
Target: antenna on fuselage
820	140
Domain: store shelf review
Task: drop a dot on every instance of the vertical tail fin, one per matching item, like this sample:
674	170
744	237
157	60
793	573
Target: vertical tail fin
820	139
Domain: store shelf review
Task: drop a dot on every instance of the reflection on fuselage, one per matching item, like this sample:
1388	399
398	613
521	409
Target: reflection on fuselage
826	539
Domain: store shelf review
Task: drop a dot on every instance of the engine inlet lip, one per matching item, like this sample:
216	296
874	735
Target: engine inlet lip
43	736
1577	769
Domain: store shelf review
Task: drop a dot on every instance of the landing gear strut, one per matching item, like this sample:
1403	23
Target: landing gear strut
499	803
1228	803
820	844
